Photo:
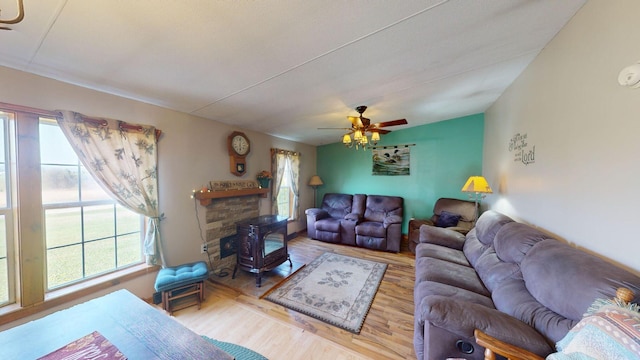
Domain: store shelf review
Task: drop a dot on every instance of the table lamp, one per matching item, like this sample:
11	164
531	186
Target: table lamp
478	187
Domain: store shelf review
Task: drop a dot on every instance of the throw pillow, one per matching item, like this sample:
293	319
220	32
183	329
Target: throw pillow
612	332
447	219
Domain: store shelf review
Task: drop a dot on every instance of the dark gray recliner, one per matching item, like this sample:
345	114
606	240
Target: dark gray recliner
381	225
336	218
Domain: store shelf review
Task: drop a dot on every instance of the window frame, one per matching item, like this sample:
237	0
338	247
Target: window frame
83	206
285	184
7	212
26	247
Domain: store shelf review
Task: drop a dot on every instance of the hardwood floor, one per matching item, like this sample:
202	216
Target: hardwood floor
279	333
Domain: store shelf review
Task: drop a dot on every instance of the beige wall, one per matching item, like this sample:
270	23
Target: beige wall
583	186
192	151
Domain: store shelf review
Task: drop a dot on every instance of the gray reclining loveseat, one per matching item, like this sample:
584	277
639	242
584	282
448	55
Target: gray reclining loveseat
368	221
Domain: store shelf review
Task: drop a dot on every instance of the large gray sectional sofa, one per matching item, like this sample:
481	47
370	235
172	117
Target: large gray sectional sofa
507	279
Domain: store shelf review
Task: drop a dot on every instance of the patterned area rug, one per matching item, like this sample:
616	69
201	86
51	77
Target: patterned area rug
334	288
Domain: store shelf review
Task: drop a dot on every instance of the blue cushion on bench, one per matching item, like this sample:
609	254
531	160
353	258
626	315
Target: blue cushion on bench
173	277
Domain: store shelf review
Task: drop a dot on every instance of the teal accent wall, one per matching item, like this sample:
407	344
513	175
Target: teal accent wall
445	154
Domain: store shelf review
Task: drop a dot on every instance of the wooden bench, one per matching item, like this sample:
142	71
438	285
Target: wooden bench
180	282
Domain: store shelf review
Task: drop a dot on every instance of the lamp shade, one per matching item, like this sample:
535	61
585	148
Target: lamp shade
315	181
477	184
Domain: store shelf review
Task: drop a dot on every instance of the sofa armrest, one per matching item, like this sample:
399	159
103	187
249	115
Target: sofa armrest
316	213
495	347
353	217
441	236
459	229
415	224
463	318
392	219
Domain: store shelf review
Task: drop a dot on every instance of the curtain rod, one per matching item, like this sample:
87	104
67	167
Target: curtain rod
121	124
287	152
392	146
30	110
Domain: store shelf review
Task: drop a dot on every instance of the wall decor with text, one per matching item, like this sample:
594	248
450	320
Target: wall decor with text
523	152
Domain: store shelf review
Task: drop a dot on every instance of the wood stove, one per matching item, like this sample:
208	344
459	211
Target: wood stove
262	245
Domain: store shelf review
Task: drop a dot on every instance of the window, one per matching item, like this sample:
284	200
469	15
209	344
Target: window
285	195
6	275
286	170
85	232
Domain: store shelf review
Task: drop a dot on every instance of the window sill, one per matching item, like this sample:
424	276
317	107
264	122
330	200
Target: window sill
60	296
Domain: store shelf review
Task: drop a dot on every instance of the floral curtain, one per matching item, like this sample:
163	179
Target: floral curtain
280	161
123	159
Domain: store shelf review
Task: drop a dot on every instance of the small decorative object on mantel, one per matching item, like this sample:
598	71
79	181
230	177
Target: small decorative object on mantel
264	178
229	188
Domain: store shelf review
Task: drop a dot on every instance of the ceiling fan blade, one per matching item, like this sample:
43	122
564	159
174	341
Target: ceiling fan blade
335	128
392	123
355	121
382	131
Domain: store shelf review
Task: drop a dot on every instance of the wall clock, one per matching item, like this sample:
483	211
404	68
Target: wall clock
239	146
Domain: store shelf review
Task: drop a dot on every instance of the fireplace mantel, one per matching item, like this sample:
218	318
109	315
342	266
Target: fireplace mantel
206	197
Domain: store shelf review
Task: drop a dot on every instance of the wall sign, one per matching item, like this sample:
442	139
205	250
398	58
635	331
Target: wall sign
523	153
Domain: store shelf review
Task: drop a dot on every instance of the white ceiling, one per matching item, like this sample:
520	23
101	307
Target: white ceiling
287	67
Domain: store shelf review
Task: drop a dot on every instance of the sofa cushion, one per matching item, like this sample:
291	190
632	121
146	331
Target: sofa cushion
554	271
371	242
512	297
436	270
514	239
375	229
447	219
426	288
337	205
330	224
473	248
378	207
481	237
492	271
440	236
489	224
442	253
174	277
328	236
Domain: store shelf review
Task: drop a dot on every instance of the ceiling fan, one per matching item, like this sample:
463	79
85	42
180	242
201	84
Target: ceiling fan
361	127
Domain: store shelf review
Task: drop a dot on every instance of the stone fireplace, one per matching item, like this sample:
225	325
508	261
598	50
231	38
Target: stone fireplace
227	203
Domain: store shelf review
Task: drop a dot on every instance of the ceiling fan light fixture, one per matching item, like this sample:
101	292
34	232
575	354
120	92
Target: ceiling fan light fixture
365	134
357	135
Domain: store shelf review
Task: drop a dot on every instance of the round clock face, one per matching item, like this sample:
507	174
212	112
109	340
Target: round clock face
240	144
